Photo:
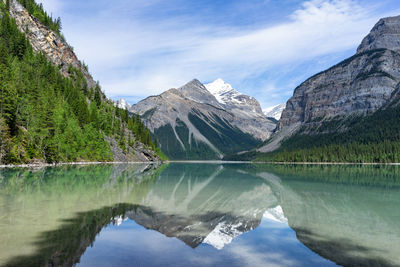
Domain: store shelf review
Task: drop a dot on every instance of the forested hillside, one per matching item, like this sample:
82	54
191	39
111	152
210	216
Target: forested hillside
374	138
47	117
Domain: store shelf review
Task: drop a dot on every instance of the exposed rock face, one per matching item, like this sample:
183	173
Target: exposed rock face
48	42
385	34
359	85
190	123
138	153
197	92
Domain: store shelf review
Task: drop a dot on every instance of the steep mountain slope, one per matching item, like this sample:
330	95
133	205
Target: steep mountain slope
188	127
347	105
244	107
51	110
44	40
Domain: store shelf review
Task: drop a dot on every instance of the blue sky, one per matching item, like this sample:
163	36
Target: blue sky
264	48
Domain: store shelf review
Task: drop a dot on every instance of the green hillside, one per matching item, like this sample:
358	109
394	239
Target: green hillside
47	117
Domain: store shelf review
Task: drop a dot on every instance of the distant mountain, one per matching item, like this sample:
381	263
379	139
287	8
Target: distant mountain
123	104
349	112
274	111
191	123
241	105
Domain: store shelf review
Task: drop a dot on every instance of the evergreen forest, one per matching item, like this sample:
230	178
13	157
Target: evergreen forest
47	117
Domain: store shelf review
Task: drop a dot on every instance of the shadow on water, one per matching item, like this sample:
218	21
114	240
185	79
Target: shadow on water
65	246
342	251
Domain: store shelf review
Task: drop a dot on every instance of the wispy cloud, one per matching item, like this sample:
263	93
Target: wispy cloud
135	54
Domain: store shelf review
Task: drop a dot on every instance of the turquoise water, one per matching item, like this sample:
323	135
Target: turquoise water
200	215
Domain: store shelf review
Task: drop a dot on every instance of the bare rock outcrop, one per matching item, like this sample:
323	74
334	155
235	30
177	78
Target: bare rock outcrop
385	34
47	41
359	85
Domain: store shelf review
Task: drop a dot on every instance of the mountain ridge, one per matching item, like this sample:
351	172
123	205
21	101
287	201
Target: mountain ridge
191	121
344	107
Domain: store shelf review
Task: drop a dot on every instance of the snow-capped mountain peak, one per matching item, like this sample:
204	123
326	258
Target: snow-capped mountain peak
275	111
219	88
123	104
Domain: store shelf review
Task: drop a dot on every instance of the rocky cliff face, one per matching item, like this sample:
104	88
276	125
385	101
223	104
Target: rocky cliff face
48	42
385	34
359	85
190	123
197	92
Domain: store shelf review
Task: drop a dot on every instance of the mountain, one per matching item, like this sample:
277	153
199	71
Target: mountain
352	103
123	104
241	105
274	111
190	123
244	107
52	110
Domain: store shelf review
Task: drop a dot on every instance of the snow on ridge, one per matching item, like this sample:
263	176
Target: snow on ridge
219	88
275	111
222	235
275	214
119	220
122	104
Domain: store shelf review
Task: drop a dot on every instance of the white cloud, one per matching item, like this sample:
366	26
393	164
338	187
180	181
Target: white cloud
143	57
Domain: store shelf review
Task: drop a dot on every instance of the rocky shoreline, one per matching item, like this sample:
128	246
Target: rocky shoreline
43	165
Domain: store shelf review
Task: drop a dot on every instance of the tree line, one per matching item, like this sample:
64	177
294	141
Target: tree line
373	138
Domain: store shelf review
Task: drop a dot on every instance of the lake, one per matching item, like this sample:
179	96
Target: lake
204	214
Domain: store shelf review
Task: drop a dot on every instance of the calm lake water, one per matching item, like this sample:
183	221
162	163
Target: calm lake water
200	215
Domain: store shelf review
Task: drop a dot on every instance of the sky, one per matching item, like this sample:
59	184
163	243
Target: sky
263	48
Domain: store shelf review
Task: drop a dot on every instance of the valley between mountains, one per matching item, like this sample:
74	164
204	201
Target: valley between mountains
347	113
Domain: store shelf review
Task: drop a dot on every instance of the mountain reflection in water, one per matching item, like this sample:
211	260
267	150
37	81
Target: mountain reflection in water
69	215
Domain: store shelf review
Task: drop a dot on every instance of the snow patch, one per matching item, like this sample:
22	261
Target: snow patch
222	235
275	214
122	104
275	111
119	220
219	88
